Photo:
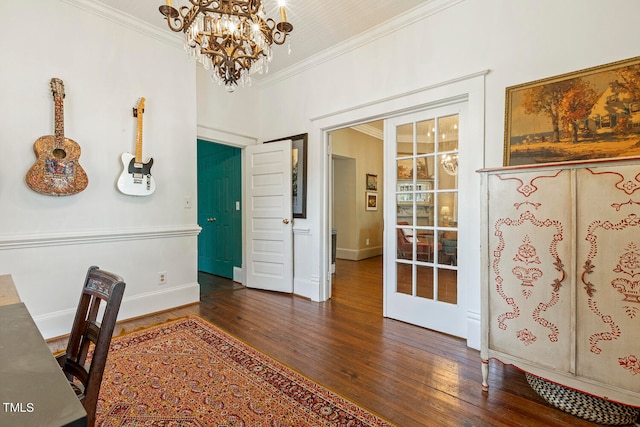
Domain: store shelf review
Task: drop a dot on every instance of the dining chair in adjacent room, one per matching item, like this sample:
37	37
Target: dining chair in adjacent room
85	378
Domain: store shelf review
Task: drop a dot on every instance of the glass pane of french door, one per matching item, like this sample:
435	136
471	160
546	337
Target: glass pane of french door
426	208
423	283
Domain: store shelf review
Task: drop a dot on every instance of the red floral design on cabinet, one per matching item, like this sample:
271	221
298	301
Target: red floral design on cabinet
532	304
562	284
608	250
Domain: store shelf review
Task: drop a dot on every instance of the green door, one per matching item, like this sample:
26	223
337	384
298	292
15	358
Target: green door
219	215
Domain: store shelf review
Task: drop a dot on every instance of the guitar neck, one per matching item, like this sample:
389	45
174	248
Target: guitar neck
139	112
59	121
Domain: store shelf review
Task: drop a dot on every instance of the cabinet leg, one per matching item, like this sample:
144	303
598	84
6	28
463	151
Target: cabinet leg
485	375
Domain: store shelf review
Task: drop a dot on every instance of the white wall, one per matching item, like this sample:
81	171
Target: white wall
228	118
46	242
518	41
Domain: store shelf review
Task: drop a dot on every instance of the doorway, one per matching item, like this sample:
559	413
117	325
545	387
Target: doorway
470	90
421	154
219	208
357	177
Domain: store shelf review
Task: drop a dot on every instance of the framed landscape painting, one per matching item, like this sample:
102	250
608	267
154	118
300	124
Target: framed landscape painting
588	114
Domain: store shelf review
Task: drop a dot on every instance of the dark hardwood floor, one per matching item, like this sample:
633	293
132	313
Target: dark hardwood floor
408	375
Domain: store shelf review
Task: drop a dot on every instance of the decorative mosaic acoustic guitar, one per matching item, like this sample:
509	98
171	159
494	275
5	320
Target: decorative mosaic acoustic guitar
136	179
56	171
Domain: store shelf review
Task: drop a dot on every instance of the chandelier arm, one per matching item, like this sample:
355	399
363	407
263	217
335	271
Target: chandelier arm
279	37
277	32
179	20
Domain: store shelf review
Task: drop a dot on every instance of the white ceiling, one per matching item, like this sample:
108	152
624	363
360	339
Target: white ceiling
317	24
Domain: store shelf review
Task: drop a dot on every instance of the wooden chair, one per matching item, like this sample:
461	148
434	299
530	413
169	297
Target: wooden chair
405	246
99	286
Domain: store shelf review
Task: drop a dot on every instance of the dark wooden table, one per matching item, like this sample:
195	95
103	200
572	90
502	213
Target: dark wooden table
33	389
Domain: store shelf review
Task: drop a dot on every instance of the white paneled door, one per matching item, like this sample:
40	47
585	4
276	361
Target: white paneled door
269	227
422	207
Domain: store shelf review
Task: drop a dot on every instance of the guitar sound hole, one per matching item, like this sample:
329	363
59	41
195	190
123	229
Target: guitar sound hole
59	153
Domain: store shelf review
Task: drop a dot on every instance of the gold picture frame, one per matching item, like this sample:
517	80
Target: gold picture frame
372	182
588	114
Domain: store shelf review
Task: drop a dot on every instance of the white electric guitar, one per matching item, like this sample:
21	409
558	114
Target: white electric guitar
136	179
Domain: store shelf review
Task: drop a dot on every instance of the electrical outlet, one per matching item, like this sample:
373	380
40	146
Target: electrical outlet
187	202
366	242
162	277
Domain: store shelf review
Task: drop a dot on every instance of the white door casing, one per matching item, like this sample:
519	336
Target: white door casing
269	225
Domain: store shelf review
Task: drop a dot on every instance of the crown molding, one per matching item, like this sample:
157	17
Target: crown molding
367	129
414	15
126	20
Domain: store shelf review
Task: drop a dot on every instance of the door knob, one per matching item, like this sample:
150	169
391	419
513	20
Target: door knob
211	219
285	221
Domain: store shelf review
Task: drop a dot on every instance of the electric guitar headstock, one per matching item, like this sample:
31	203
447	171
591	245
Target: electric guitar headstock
139	107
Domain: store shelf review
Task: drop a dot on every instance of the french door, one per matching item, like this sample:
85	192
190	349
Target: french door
422	203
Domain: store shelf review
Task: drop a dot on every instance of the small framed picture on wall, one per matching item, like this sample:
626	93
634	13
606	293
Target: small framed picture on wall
372	182
372	201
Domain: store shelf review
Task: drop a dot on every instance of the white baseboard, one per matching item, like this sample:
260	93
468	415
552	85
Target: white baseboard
307	288
59	323
473	330
358	254
238	275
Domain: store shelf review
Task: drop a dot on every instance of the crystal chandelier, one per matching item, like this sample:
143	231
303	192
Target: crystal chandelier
231	38
449	163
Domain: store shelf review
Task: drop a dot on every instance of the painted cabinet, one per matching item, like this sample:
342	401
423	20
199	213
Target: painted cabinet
561	274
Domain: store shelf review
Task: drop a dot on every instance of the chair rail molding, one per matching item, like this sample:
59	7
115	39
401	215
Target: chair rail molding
23	241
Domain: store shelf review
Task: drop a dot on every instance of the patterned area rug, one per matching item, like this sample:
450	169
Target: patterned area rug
189	373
